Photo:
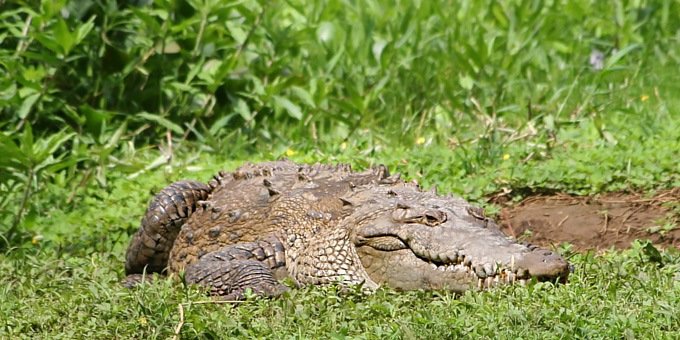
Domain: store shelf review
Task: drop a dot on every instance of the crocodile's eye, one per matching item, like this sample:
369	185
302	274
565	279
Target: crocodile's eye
434	217
428	216
478	214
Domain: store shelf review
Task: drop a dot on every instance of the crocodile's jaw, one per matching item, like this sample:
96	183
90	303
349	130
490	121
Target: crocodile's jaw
403	270
455	255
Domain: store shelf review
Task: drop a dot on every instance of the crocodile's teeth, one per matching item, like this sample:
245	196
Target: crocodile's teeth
479	283
523	282
479	270
451	257
490	269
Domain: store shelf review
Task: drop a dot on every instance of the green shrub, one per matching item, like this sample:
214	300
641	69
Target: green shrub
98	80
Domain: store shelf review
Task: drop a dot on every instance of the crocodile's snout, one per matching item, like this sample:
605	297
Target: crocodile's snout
544	265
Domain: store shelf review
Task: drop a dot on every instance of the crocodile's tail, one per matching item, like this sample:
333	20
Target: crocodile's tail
150	246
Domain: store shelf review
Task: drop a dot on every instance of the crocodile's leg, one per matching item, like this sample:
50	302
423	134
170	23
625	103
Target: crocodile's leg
150	246
228	272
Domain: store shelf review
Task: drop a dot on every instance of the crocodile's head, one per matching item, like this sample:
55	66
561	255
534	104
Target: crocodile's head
418	240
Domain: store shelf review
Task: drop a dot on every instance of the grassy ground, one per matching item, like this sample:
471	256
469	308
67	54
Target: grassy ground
50	295
485	97
67	283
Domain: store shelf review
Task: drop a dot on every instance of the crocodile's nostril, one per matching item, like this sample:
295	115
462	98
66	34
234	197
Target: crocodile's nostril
544	264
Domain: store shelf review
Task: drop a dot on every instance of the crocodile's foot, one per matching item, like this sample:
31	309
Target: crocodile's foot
230	272
230	280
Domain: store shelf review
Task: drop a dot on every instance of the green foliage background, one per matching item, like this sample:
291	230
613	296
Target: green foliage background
85	84
103	102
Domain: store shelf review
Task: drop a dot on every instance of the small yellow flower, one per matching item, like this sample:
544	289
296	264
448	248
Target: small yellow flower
343	146
290	152
644	97
36	239
142	321
420	141
506	157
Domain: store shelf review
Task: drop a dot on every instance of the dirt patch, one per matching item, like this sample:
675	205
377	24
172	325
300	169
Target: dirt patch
597	223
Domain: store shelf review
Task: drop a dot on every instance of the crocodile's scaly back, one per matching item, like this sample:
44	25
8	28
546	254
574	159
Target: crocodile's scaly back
262	199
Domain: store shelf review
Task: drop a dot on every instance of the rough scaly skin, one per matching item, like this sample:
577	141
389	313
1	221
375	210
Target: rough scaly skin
324	224
150	246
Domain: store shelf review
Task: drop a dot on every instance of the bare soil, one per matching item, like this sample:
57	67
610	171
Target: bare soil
593	223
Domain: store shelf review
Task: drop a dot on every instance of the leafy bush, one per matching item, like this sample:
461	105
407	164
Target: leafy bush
86	83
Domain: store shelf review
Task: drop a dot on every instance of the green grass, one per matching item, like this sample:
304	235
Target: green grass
51	294
103	104
67	283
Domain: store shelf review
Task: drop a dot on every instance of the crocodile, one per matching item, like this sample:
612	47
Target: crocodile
326	224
